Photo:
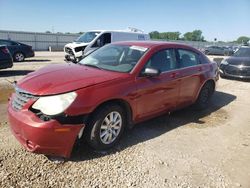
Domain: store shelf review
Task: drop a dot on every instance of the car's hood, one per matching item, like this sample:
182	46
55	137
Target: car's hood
55	79
76	44
239	61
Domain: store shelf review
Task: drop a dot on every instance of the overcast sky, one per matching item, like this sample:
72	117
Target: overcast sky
221	19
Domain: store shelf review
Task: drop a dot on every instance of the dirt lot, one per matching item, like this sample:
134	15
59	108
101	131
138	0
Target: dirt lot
186	149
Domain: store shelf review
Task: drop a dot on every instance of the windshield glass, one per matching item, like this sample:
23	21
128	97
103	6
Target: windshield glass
242	52
119	58
87	37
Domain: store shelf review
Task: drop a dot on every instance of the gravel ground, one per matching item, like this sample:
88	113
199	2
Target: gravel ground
210	148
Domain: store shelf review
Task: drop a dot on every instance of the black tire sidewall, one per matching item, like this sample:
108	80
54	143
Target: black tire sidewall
94	125
200	103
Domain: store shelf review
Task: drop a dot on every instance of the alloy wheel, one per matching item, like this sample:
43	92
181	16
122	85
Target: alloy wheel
110	127
19	57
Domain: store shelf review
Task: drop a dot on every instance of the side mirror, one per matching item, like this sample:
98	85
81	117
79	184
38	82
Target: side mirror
98	42
150	72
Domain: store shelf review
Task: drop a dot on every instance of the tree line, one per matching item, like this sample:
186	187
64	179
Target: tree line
195	35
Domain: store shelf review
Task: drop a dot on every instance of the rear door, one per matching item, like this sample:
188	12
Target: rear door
191	71
159	93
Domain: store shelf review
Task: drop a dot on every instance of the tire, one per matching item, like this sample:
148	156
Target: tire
204	97
19	57
102	134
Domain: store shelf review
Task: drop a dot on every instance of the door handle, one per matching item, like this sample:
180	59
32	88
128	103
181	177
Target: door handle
200	69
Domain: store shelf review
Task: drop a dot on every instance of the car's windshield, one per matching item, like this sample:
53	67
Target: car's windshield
87	37
119	58
242	52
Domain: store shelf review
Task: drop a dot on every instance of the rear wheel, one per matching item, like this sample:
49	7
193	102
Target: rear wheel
106	127
19	57
204	96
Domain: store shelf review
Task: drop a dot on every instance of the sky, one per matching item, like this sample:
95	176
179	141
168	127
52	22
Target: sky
225	20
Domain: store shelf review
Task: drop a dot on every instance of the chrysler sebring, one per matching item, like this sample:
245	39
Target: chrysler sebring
112	88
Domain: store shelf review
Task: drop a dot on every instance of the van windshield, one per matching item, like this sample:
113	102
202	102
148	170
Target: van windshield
87	37
118	58
242	52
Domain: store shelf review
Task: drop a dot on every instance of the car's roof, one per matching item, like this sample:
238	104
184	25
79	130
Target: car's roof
151	43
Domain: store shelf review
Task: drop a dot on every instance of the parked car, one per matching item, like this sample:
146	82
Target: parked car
5	58
114	87
238	65
217	50
19	51
92	40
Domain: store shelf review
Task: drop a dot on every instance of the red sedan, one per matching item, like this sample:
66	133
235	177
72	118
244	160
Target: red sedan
112	88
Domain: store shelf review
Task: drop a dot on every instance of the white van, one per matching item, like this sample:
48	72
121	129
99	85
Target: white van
92	40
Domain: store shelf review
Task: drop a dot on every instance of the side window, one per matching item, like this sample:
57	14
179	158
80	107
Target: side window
163	60
187	58
107	38
102	40
13	43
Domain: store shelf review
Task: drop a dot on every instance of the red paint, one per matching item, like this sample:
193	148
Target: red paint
147	97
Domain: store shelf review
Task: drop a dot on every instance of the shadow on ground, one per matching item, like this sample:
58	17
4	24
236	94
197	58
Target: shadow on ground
155	127
9	73
35	60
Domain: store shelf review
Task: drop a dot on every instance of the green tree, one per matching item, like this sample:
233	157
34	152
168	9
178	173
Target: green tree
170	35
154	35
243	39
165	35
195	35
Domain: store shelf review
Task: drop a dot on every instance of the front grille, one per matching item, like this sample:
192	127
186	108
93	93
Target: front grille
21	98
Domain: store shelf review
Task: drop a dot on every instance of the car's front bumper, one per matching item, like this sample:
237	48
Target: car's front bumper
46	137
235	71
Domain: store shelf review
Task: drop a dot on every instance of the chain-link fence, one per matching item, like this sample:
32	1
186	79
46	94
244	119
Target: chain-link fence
39	41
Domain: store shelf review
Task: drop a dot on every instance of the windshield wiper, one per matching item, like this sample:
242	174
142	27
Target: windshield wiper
92	65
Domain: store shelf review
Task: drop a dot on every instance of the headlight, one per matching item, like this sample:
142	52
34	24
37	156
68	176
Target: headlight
55	104
224	62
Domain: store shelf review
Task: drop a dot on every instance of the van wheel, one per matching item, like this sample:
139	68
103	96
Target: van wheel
204	96
105	127
19	57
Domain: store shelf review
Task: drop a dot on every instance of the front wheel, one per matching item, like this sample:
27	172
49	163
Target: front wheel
106	127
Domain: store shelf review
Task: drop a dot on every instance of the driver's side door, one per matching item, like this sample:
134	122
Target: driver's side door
160	93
